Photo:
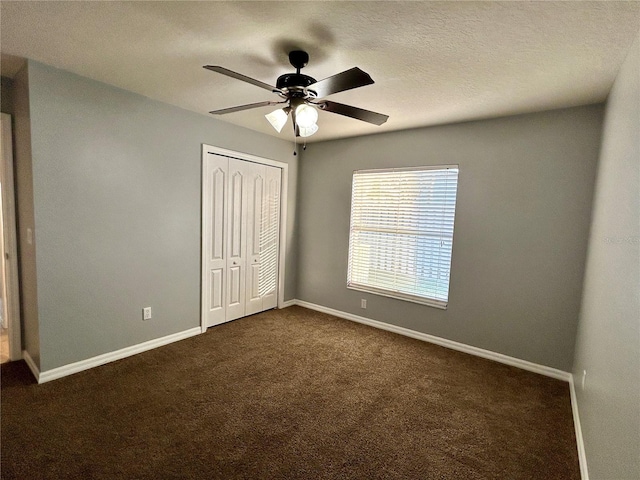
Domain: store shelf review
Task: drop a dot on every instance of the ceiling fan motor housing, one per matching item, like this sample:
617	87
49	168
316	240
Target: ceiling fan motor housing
289	80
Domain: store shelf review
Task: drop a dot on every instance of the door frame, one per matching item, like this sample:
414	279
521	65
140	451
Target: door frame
282	247
10	242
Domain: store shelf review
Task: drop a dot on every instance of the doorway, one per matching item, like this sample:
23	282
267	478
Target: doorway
10	345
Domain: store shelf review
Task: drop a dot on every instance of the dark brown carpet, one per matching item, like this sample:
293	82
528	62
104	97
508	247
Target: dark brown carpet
289	394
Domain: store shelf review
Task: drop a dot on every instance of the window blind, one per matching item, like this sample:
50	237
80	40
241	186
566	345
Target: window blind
401	233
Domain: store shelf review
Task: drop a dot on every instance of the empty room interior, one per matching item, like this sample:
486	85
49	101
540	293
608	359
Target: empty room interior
367	240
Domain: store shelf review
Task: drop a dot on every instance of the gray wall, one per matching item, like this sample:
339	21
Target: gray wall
24	214
6	95
608	341
522	223
117	188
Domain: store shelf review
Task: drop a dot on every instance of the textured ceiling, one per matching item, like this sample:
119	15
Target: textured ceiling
433	62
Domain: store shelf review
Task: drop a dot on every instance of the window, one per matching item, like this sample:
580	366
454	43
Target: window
402	232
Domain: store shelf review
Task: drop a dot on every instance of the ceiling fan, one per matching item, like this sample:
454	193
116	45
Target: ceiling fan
302	96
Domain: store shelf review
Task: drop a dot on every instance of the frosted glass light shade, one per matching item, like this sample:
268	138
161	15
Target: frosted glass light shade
277	119
308	131
306	116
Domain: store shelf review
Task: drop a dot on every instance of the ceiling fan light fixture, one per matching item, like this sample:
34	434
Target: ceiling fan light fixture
278	118
307	131
306	116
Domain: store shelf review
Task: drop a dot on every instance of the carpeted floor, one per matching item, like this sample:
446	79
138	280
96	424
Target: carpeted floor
289	394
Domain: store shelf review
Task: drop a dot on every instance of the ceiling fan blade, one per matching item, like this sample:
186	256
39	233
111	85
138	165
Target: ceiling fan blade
340	82
244	107
354	112
244	78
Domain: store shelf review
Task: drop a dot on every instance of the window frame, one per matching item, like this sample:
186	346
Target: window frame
431	302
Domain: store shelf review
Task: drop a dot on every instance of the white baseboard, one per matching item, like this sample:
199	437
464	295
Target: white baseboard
582	456
288	303
76	367
443	342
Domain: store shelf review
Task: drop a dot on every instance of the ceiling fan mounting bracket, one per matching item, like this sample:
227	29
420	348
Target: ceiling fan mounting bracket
299	59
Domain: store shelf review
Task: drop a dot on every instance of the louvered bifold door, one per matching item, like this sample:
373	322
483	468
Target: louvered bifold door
262	239
254	226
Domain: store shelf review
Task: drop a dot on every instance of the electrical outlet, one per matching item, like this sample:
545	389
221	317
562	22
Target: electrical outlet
146	313
363	303
584	378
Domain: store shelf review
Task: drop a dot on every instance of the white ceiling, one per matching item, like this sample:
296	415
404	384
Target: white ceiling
433	62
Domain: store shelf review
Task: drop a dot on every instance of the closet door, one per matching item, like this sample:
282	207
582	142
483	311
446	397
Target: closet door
263	229
241	226
270	239
239	210
215	173
254	223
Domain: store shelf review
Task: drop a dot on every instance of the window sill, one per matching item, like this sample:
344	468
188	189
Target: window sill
398	296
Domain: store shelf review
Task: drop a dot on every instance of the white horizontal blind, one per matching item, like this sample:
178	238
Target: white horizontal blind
402	232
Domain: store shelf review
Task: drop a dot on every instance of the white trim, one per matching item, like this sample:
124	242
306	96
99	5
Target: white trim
582	456
12	285
282	247
282	241
241	156
408	169
399	296
443	342
92	362
31	364
288	303
203	201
